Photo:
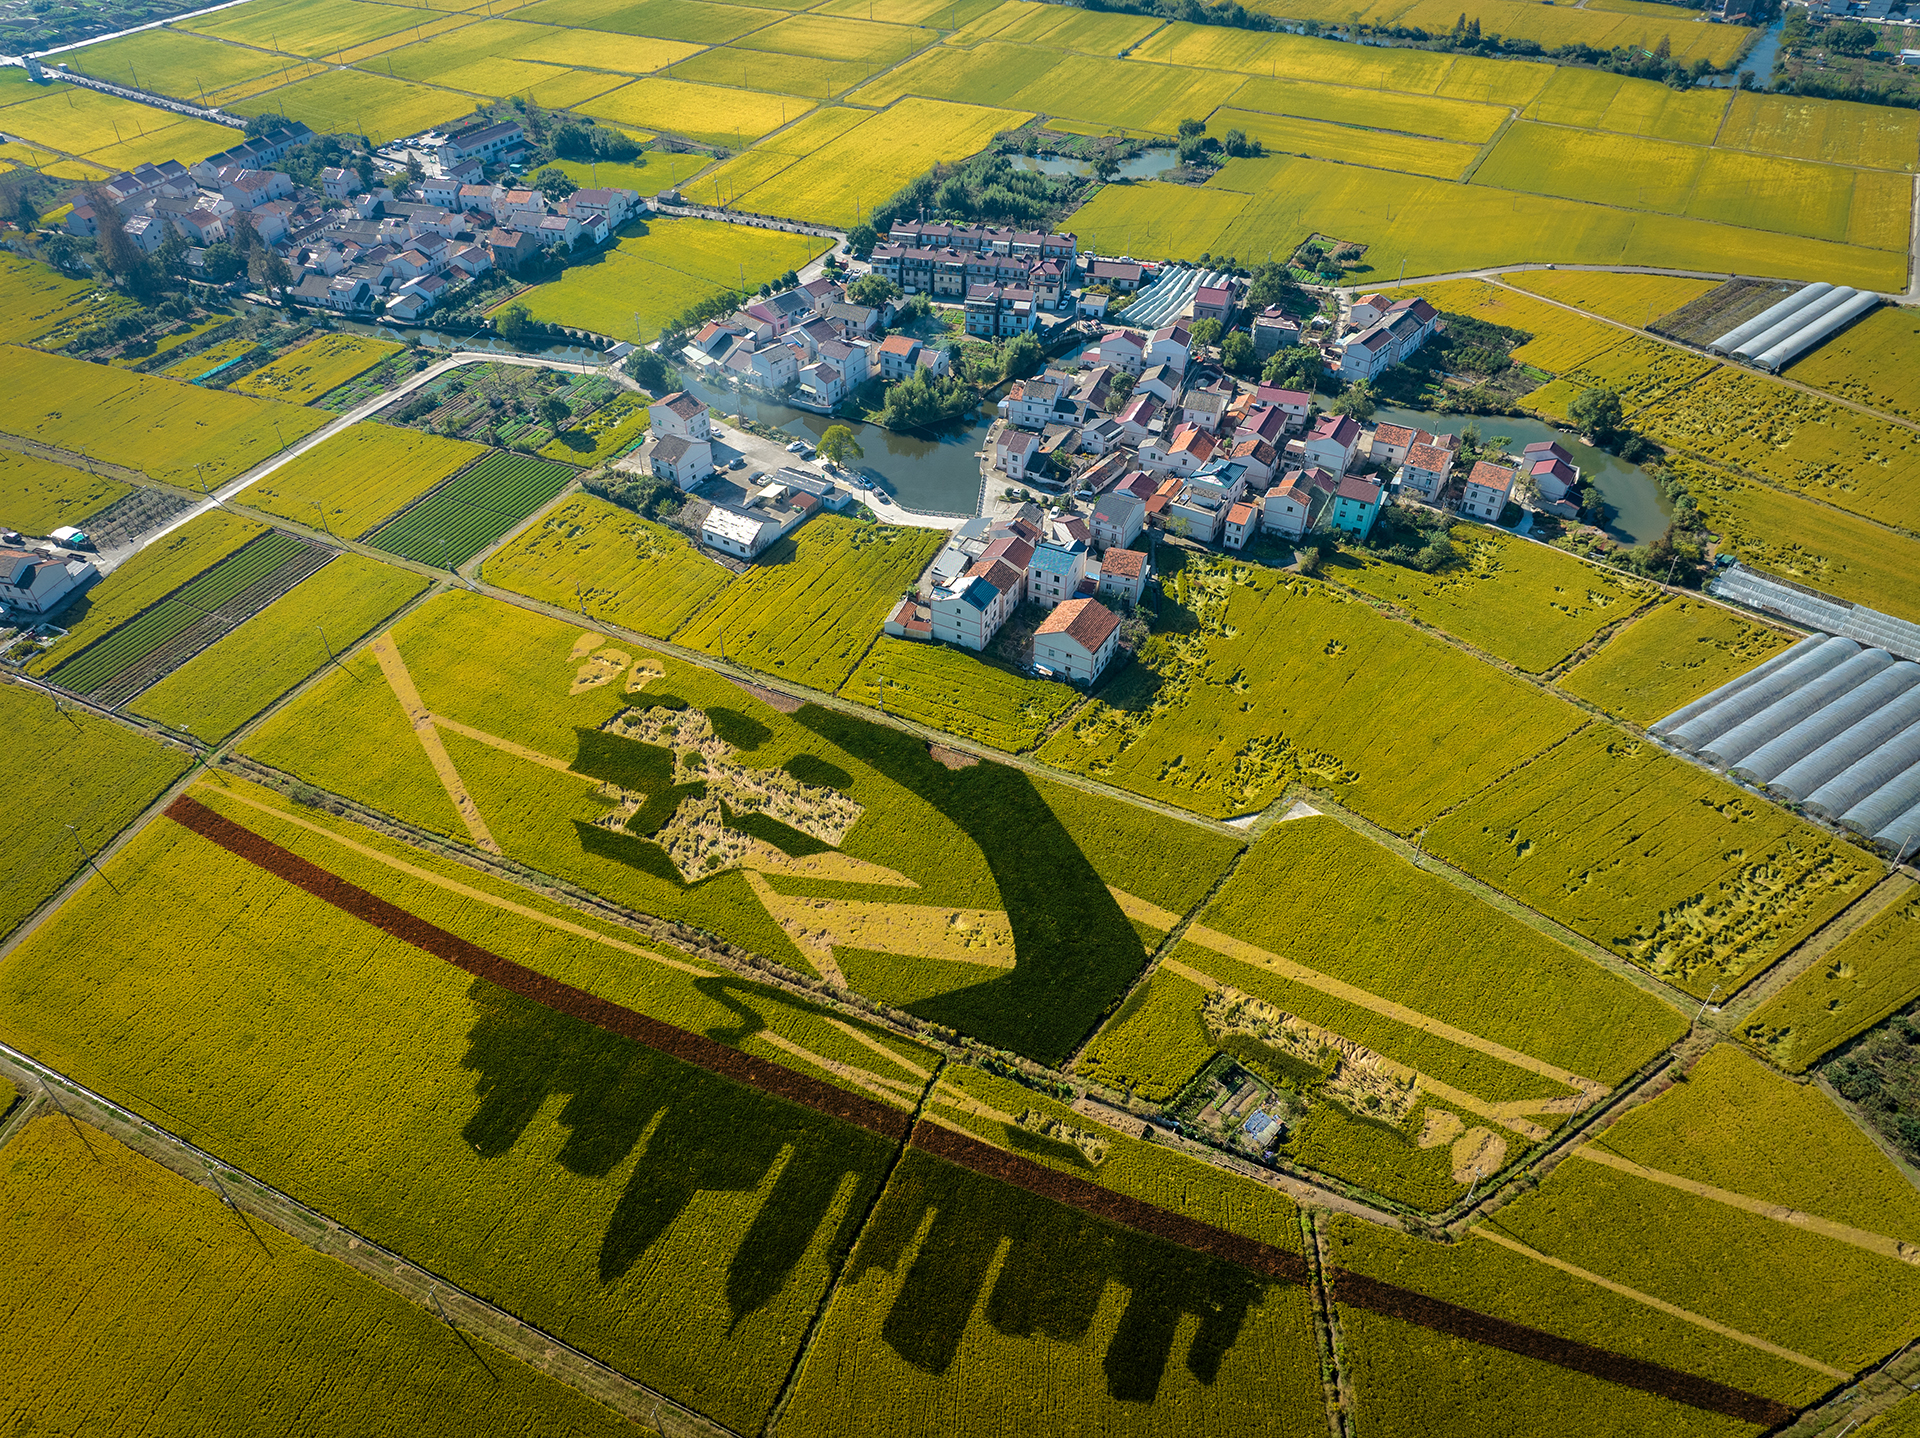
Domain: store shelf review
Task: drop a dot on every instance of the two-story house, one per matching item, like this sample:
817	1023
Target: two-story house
1487	491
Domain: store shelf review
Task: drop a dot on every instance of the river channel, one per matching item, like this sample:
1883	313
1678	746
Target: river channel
1637	513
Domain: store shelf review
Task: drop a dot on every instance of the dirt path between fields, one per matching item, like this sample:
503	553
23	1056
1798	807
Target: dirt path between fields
1697	1319
1840	1232
401	682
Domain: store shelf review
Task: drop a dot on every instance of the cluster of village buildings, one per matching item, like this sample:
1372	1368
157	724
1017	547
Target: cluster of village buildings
351	249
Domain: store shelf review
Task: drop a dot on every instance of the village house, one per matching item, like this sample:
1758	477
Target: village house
1118	518
1120	350
1213	302
1054	572
737	531
36	584
680	415
1206	408
1487	491
1426	471
1296	405
1356	504
1331	443
680	461
1551	469
1170	345
1016	452
1123	277
1243	519
1273	330
966	613
1123	575
1077	640
1287	507
1389	443
337	184
1258	458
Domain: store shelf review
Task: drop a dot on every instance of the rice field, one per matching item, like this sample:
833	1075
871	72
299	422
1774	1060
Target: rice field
1287	135
939	14
633	288
1096	90
1874	362
232	680
1147	217
691	20
112	131
958	693
1561	25
1437	117
849	175
318	366
171	431
1872	973
1561	340
1837	131
36	298
1670	656
817	80
822	37
1812	544
1673	869
609	563
95	774
501	43
610	429
1437	227
1638	369
355	103
734	118
300	27
1086	32
648	173
1858	462
38	496
146	578
172	62
225	1324
810	607
359	478
1633	299
1600	100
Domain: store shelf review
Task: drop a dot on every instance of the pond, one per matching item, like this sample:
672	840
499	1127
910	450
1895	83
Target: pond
1637	513
1146	165
932	469
1759	60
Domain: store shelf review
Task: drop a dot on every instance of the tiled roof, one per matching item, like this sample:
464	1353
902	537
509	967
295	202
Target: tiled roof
1491	476
1128	562
1430	458
1088	623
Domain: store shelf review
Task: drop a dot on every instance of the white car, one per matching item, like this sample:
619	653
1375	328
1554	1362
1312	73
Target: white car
797	446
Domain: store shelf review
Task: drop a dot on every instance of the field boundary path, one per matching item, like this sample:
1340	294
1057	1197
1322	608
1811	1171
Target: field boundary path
464	1312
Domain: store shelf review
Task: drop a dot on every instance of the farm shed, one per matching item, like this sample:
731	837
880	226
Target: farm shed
1826	724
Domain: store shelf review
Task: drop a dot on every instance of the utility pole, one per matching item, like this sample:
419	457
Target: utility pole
1703	1005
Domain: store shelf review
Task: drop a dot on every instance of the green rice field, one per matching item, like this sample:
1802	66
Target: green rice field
465	515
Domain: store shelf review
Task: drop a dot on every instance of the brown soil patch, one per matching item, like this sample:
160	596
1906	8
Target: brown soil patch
952	758
1442	1126
600	668
645	670
1477	1153
586	644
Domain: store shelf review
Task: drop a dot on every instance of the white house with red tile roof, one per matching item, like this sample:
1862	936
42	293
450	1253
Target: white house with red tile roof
1332	442
1077	640
1488	489
1119	349
1243	519
1288	506
681	415
1295	404
1426	470
1123	574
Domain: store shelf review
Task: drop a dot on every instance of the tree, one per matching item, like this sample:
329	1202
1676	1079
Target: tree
1239	146
1105	167
839	445
1022	357
553	412
261	123
1192	129
1236	352
1598	413
265	267
364	168
874	290
555	184
59	251
861	238
1356	401
28	217
1206	332
115	247
513	322
650	370
1850	37
223	262
1119	391
1294	367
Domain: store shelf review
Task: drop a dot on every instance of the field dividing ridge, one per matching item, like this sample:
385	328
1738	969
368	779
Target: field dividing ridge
1840	1232
401	682
677	1043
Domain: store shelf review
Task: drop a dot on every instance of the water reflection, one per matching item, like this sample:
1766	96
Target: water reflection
934	469
1637	513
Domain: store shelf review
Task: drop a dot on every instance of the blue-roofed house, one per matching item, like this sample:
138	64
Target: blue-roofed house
967	613
1055	571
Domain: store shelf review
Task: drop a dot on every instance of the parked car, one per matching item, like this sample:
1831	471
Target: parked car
739	461
797	446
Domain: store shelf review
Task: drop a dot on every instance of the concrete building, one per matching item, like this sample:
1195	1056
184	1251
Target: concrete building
1077	640
1488	489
